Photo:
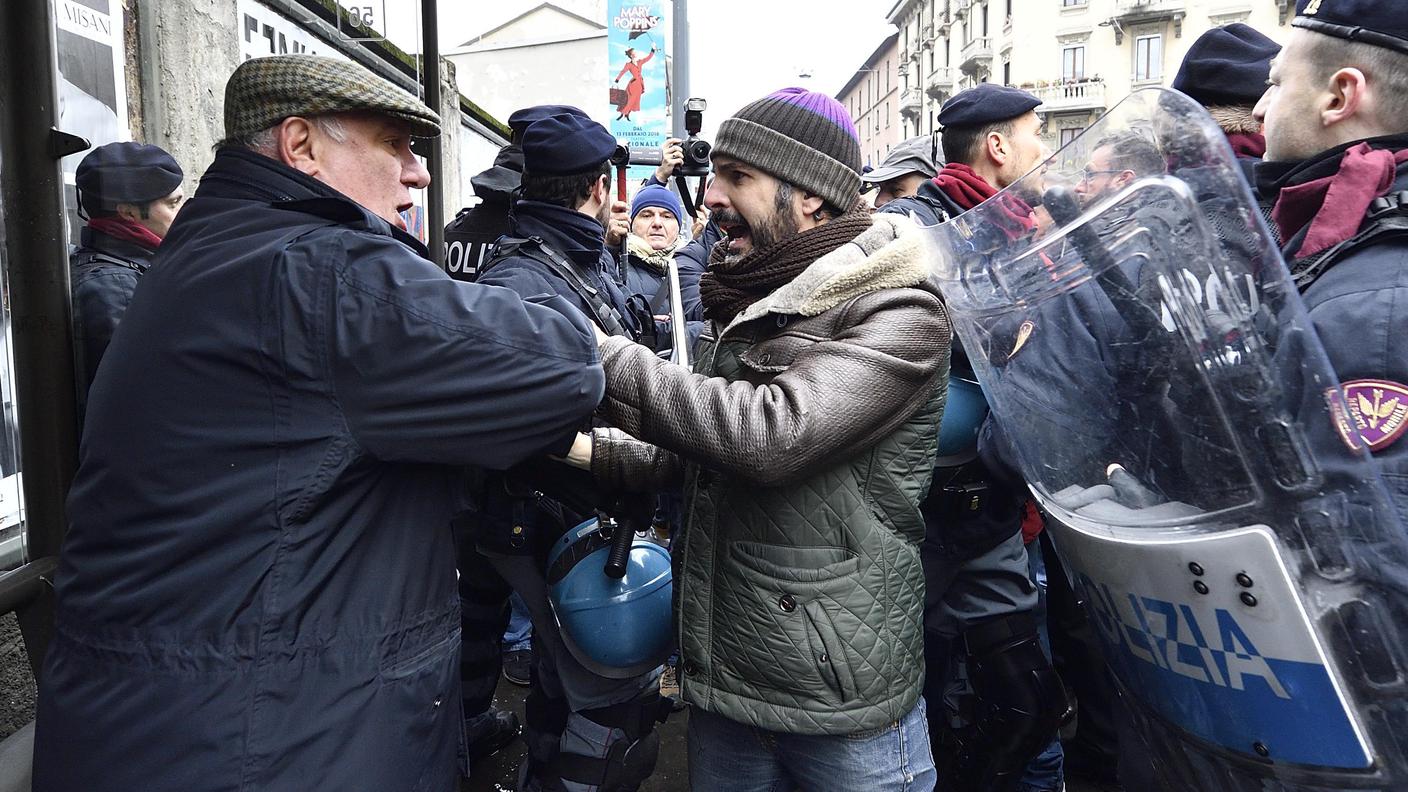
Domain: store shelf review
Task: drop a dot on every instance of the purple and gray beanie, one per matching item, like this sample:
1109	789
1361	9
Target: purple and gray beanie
803	138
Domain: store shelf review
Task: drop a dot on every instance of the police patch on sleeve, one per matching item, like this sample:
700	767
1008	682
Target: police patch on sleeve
1374	412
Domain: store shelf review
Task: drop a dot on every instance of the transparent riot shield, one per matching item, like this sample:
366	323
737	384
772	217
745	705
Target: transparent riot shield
1154	377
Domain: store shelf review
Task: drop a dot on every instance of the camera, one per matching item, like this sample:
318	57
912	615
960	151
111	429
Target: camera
696	151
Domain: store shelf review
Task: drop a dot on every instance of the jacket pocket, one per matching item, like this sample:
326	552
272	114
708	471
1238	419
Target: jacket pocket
775	633
828	651
775	354
810	565
421	694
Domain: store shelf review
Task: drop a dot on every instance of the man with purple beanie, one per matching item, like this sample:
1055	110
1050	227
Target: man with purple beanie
805	438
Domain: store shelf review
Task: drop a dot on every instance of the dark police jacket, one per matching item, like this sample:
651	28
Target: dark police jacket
1359	308
257	591
471	235
572	234
103	276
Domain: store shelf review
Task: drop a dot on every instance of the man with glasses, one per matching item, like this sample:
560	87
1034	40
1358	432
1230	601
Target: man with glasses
1115	162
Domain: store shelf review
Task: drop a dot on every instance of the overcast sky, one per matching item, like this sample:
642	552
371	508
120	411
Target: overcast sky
740	49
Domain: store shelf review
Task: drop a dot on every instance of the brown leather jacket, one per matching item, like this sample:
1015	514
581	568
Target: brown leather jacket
806	438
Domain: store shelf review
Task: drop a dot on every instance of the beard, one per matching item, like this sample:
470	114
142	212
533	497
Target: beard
766	232
603	215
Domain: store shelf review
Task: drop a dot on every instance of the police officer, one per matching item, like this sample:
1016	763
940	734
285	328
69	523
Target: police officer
584	730
980	603
484	597
904	170
130	193
471	235
1336	124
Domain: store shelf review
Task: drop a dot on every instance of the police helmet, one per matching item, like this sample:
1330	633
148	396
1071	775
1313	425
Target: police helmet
616	628
964	412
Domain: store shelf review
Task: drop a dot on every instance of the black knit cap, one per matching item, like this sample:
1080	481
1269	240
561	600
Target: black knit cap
1227	66
804	138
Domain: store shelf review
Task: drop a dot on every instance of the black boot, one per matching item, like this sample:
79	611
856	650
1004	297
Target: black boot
489	732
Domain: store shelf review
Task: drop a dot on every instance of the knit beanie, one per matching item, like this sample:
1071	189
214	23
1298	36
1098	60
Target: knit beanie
804	138
657	196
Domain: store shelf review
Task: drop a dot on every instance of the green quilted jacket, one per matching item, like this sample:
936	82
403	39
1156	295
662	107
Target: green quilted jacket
806	438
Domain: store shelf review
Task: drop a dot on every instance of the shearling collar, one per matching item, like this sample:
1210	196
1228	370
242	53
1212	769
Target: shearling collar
891	254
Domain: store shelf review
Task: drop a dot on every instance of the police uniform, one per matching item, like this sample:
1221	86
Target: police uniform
471	235
113	254
980	601
584	730
1352	275
484	596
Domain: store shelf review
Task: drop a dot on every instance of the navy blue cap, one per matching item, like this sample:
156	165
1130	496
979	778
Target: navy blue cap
1367	21
986	103
1227	66
520	119
128	173
565	144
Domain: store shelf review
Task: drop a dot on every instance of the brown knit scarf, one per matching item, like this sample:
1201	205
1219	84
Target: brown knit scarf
727	288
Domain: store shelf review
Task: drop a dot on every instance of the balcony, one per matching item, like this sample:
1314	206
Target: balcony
911	103
939	86
1072	97
1136	11
976	56
944	21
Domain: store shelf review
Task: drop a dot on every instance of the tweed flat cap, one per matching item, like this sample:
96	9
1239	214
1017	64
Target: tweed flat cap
264	91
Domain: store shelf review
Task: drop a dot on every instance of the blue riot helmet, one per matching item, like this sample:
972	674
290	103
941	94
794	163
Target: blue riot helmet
964	411
616	628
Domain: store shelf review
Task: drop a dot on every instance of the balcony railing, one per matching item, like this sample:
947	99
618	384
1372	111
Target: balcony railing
911	102
1088	95
939	86
1148	7
977	55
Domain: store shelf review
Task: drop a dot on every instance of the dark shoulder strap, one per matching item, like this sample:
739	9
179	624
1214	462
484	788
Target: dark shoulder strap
92	256
1388	217
606	314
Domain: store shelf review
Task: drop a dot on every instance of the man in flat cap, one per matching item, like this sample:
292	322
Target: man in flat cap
1336	126
805	438
257	590
905	168
975	561
130	193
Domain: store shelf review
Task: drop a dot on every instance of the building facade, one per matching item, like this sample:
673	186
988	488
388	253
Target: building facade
872	97
1080	56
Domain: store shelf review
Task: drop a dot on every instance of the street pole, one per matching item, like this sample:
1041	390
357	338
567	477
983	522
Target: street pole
680	78
430	74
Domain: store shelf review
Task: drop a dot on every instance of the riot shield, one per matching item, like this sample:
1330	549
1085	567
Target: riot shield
1154	376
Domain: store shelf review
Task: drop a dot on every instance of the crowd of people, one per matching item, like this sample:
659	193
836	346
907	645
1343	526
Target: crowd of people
319	477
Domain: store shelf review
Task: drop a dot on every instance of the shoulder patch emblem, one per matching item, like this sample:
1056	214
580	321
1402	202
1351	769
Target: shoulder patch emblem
1374	412
1024	332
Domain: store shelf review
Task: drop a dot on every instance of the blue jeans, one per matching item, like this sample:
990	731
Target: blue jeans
519	634
728	756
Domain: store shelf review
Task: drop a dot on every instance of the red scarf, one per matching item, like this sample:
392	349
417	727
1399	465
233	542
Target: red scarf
128	230
962	184
967	189
1334	206
1247	144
